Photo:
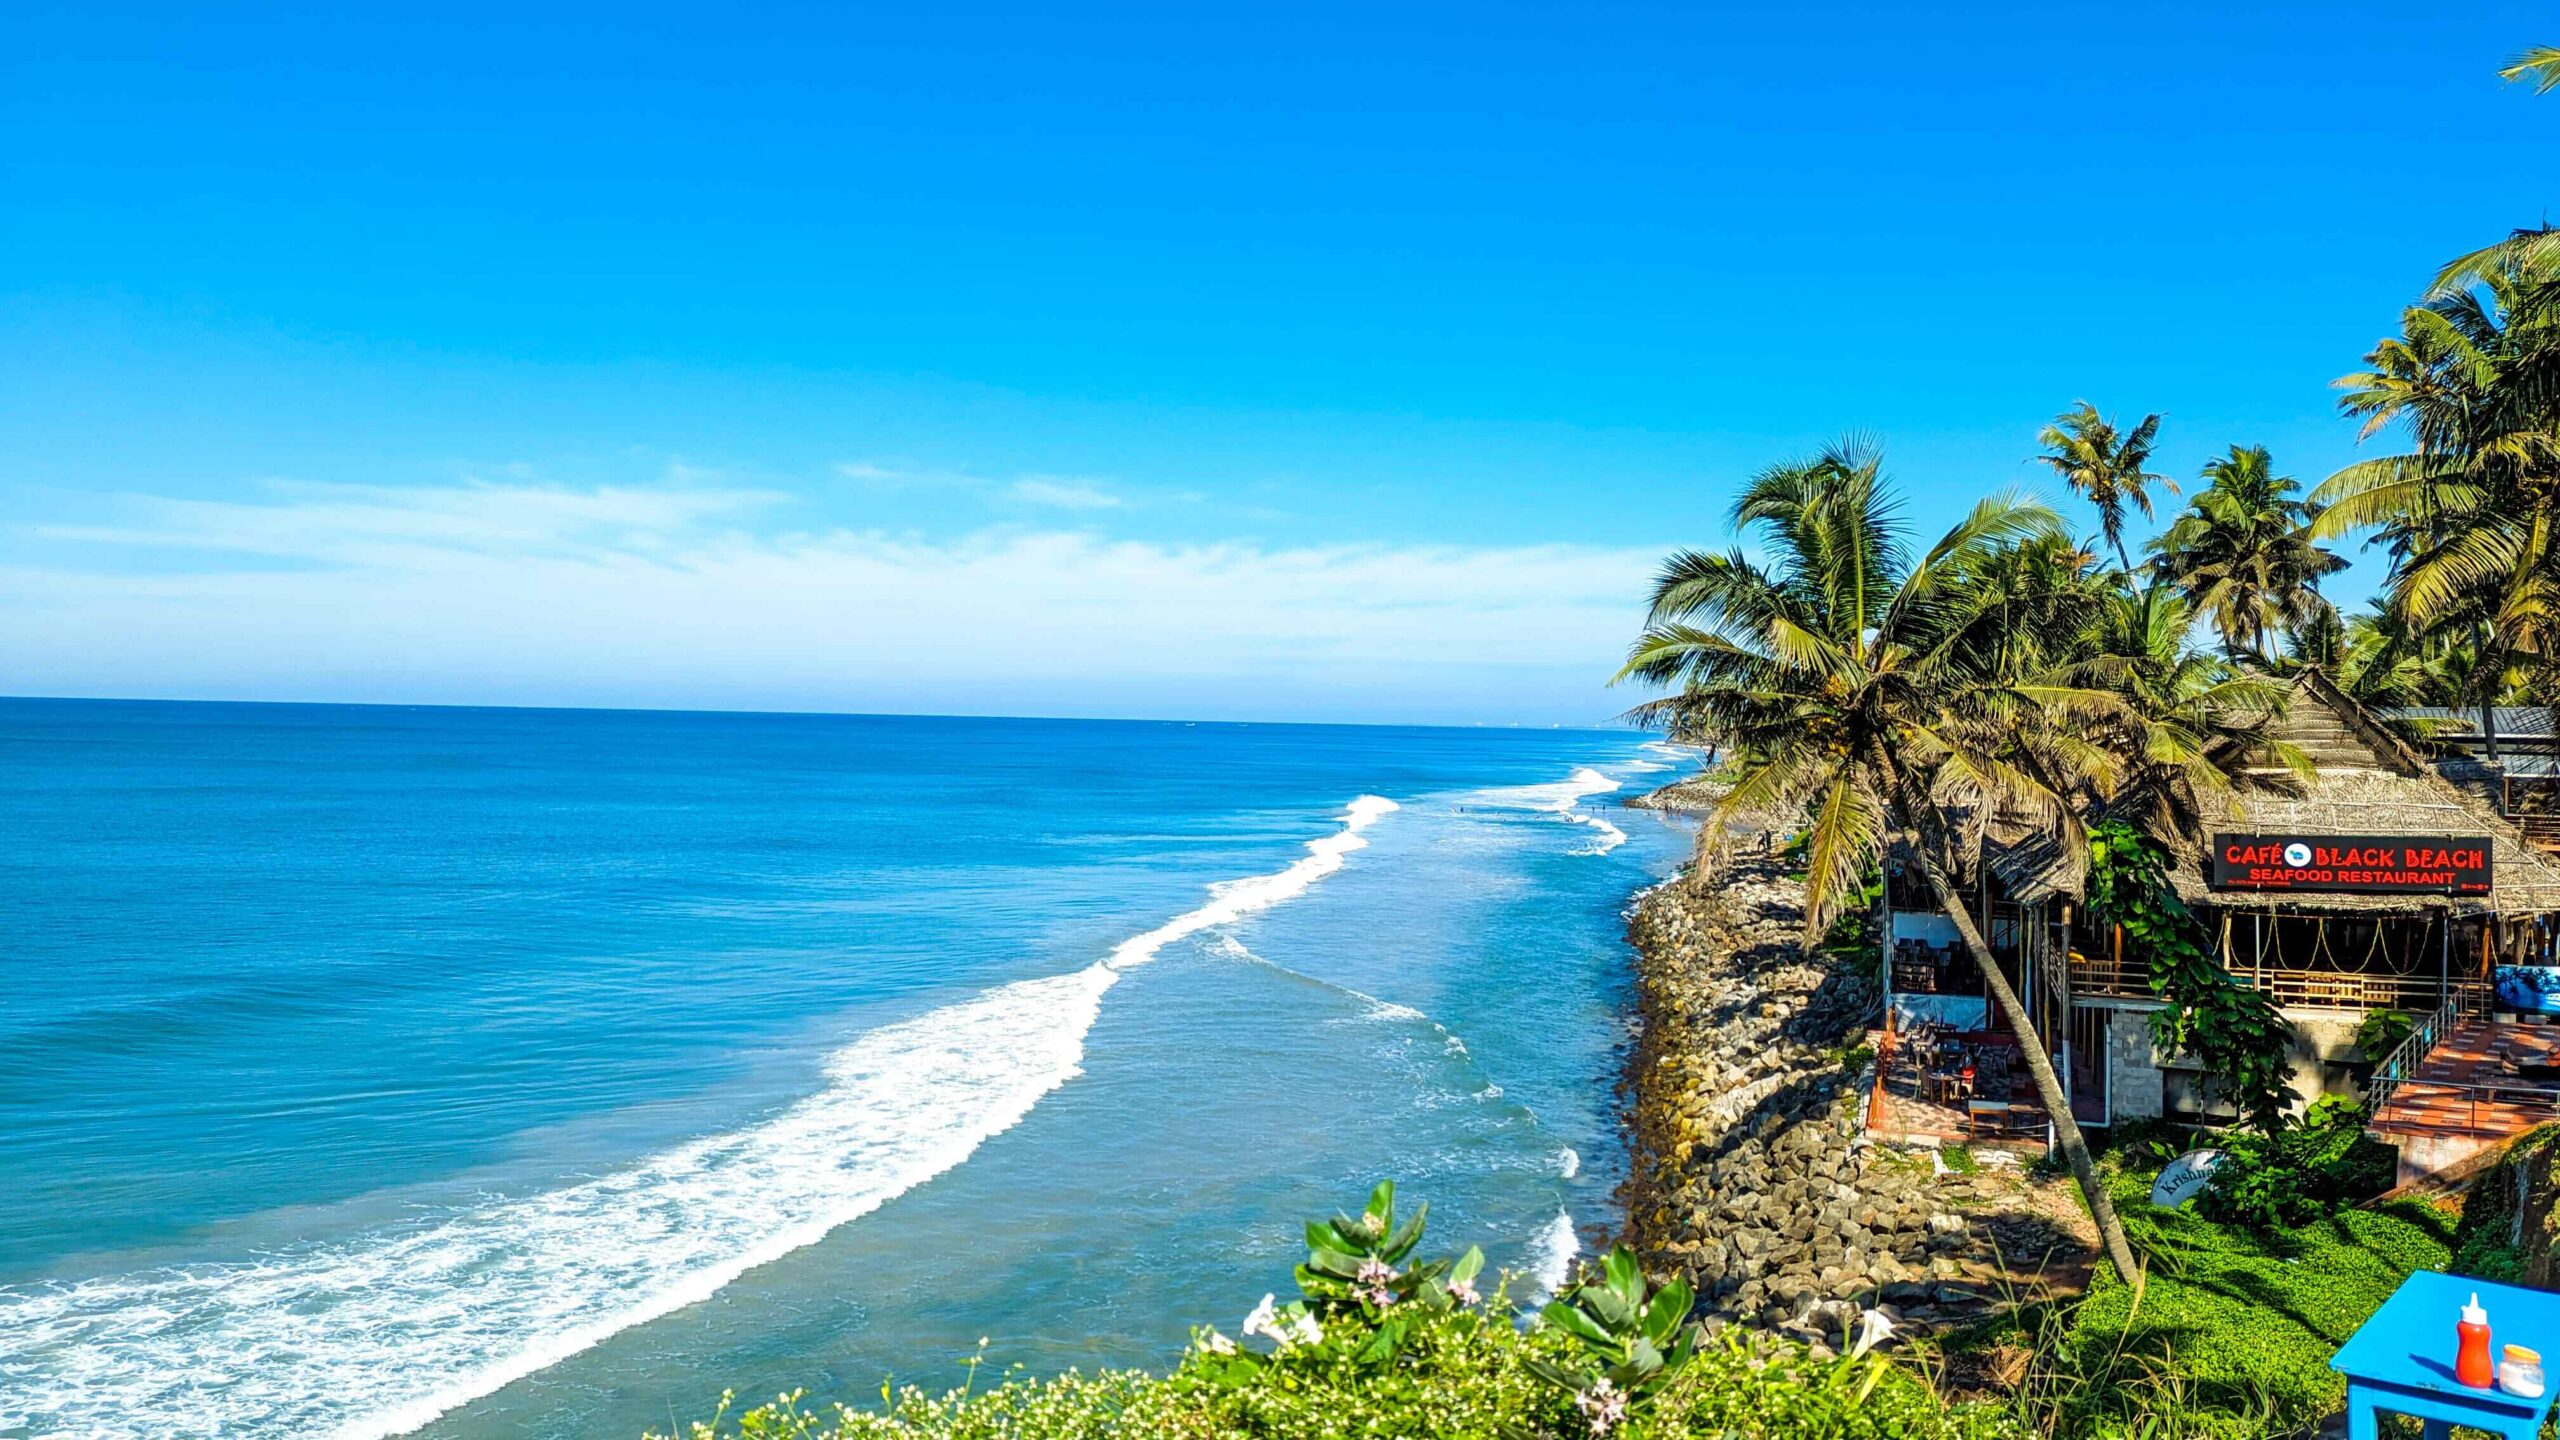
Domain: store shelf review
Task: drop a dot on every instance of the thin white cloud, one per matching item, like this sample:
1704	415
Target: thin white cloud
373	524
1064	494
530	594
898	475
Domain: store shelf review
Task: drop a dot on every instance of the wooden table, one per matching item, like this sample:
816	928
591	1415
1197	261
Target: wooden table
2402	1358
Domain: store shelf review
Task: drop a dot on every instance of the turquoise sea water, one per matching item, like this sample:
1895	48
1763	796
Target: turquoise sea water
495	1073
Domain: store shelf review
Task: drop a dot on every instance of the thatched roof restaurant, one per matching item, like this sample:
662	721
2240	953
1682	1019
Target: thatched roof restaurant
2333	944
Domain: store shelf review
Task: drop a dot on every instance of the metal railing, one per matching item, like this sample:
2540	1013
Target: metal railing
2443	1107
2400	1066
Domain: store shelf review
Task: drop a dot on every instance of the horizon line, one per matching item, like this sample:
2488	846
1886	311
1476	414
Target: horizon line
6	699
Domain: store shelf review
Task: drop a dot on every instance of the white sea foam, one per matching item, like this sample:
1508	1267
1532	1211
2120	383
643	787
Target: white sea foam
1559	800
1551	1253
379	1335
1570	1162
1557	797
1611	837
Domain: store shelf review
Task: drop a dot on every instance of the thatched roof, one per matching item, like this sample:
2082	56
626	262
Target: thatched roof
2368	781
2034	865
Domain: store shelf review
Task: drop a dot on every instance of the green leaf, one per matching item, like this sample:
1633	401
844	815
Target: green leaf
1557	1376
1334	1263
1403	1241
1670	1306
1678	1359
1382	1343
1382	1204
1607	1306
1625	1276
1469	1265
1576	1324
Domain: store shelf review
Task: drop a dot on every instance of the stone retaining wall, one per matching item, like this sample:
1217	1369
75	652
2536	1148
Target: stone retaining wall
1752	1172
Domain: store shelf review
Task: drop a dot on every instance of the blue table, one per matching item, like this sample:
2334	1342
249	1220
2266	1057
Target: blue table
2402	1359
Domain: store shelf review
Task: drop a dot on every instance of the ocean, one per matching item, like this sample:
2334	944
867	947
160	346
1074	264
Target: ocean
479	1073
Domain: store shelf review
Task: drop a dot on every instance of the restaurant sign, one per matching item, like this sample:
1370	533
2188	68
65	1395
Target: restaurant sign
2352	864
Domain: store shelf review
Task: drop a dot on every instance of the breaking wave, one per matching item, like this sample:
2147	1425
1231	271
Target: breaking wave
380	1334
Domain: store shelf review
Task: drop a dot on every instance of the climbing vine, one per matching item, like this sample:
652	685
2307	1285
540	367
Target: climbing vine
2235	1031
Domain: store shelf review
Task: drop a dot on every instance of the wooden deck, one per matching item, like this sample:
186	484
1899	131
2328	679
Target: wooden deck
1901	1109
2469	1086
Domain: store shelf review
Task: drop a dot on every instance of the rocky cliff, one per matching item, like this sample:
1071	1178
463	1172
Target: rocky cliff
1752	1170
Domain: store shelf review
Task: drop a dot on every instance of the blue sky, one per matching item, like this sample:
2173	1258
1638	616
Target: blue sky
1294	363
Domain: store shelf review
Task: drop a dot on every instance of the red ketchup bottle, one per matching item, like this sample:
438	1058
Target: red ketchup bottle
2472	1366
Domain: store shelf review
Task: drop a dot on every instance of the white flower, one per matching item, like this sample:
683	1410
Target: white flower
1462	1292
1298	1328
1874	1328
1602	1406
1260	1322
1216	1344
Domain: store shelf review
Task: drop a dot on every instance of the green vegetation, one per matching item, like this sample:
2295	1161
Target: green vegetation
1472	1386
2242	557
2230	1334
2251	1317
2237	1032
2293	1176
2106	465
2500	1236
1377	1347
2381	1032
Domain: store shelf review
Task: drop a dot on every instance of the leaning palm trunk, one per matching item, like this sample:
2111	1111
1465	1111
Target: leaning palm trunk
2066	1130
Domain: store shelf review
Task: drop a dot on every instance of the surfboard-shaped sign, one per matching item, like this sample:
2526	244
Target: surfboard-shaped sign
2182	1179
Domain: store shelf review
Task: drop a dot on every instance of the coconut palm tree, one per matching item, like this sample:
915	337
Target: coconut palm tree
2106	465
2192	729
1864	688
2242	555
2541	65
2471	512
2536	246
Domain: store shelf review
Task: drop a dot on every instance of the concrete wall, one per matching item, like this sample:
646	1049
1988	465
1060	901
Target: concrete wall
2324	1063
2324	1053
2134	1082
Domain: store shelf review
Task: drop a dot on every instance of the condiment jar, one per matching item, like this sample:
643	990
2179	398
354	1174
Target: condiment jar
2520	1372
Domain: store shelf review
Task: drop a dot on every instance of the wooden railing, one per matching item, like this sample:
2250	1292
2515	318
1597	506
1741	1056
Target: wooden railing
2050	963
2310	989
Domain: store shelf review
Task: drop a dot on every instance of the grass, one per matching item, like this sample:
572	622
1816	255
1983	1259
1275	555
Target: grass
2233	1328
